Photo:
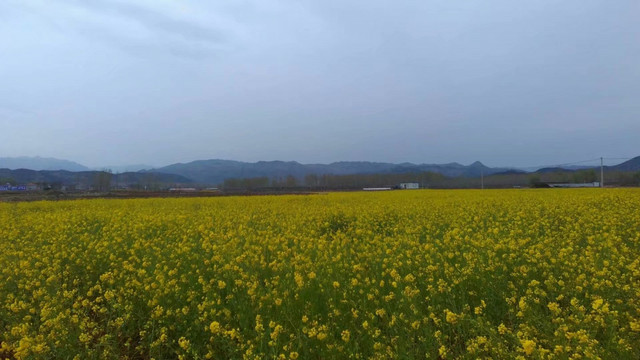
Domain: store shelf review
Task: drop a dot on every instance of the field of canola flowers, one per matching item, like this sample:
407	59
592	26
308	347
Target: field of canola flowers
551	274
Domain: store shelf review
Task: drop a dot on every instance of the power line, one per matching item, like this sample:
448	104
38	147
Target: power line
578	162
569	163
585	161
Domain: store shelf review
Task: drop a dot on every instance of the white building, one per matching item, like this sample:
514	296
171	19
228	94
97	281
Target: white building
576	185
409	186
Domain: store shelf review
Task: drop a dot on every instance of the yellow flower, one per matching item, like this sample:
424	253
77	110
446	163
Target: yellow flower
451	317
158	312
528	346
554	307
259	327
277	330
214	327
442	351
84	338
184	343
346	335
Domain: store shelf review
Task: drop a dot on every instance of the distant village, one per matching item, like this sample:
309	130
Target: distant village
44	187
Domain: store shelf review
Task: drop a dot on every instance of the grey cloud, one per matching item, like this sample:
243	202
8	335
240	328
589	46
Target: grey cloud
139	30
143	48
155	21
507	83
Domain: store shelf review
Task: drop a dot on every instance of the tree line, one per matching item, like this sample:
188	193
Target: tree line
430	180
329	181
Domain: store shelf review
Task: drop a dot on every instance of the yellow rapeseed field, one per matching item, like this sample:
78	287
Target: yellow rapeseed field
552	274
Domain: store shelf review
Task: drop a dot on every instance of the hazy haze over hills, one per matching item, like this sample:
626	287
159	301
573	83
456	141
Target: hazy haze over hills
39	163
125	168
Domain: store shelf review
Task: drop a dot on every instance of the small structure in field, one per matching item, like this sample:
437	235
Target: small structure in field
407	186
575	185
183	189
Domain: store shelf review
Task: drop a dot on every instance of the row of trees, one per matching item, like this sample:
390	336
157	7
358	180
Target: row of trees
578	177
104	181
431	180
326	181
8	180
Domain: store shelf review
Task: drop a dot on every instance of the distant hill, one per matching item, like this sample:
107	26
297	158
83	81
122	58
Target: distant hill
629	165
511	172
39	163
64	177
553	169
216	171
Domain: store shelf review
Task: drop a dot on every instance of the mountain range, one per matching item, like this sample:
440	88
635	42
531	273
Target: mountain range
217	171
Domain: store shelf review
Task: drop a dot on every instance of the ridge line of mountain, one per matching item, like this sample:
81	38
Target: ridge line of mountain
216	171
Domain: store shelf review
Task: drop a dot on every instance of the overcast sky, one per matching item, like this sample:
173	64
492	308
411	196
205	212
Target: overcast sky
509	83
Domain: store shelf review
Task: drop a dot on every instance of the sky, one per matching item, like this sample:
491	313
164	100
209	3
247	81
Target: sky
508	83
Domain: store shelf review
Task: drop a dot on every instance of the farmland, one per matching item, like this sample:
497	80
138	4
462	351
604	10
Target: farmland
404	274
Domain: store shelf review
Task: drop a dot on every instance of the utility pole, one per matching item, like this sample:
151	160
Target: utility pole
482	179
601	172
